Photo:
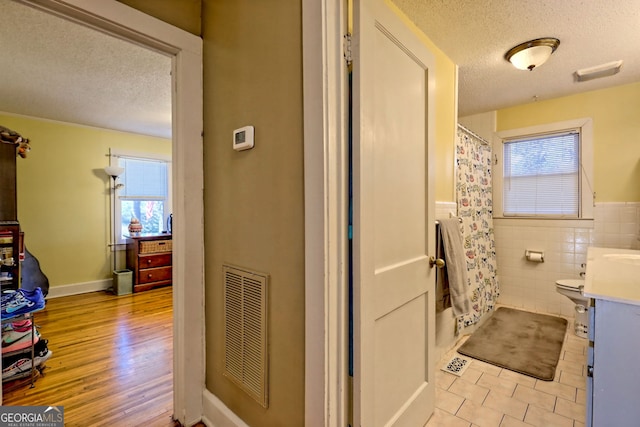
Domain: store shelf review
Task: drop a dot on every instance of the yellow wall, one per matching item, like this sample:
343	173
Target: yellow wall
445	115
63	195
616	134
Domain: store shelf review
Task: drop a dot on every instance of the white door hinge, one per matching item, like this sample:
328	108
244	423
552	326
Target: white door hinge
347	48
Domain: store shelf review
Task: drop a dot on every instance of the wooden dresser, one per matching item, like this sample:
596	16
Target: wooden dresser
149	257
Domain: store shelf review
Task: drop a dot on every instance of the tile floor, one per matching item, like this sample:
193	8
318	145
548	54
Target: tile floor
488	396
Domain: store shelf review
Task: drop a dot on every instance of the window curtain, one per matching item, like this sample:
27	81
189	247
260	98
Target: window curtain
475	208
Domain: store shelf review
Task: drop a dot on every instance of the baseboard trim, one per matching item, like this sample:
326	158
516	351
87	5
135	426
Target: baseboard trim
79	288
217	414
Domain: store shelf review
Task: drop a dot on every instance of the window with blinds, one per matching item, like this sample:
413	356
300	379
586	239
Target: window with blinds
145	194
144	179
541	176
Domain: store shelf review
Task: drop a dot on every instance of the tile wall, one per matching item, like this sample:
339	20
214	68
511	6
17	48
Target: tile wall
531	286
445	210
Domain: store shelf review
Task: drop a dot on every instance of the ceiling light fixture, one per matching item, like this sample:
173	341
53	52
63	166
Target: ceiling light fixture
532	54
604	70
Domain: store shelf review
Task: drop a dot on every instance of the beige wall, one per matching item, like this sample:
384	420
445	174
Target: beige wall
254	215
63	195
616	134
183	14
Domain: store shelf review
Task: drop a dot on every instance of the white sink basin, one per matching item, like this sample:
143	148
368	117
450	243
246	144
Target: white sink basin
623	258
613	274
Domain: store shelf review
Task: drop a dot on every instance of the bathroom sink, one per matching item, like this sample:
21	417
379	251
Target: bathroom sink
613	274
623	258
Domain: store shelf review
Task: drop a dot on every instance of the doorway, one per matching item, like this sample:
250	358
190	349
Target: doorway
186	52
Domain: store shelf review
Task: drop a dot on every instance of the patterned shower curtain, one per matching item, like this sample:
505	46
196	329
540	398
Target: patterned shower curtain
474	200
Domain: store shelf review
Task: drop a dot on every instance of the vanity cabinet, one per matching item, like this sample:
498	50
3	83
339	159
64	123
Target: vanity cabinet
150	259
613	379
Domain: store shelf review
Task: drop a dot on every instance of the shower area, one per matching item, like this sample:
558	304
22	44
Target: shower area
473	208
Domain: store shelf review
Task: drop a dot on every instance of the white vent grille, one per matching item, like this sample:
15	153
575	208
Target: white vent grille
245	305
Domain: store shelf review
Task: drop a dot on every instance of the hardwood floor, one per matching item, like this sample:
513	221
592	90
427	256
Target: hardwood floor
112	360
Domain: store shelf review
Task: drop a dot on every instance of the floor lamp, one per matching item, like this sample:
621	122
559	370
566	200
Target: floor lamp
114	172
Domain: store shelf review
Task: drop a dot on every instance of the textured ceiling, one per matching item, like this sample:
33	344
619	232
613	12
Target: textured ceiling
62	71
475	34
59	70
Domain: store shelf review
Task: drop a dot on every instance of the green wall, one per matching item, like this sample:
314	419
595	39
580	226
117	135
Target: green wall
616	134
63	195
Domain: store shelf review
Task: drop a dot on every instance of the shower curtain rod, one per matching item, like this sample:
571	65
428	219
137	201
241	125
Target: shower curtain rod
482	140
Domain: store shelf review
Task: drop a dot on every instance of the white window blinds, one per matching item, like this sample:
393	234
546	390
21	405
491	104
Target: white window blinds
542	176
144	178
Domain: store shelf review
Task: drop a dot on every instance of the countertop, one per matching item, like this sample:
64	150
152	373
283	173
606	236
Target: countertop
613	274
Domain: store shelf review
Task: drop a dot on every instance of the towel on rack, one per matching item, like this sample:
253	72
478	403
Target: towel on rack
443	297
455	264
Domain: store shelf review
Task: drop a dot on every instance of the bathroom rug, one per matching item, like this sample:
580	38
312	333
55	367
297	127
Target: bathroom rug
521	341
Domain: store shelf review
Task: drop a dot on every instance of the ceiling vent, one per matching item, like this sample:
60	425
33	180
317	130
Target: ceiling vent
245	318
604	70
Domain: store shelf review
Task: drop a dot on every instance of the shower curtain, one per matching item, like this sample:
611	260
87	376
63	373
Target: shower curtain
474	203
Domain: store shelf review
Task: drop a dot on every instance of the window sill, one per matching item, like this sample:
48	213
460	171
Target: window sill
545	222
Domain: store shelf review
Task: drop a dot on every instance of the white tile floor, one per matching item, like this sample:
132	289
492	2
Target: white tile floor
489	396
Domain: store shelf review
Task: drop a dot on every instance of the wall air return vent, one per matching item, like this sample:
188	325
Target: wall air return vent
245	318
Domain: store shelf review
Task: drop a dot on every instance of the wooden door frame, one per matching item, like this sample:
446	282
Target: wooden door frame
185	49
327	381
324	23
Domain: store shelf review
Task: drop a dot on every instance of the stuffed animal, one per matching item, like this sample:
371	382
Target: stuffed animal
23	148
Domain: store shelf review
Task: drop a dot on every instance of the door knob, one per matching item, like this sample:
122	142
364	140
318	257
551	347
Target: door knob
438	262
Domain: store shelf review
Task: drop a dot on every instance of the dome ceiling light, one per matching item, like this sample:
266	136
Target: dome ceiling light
532	54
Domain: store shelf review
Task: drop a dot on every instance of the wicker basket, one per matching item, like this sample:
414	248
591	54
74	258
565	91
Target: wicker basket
155	246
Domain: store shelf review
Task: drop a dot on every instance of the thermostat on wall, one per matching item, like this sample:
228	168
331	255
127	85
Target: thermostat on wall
243	138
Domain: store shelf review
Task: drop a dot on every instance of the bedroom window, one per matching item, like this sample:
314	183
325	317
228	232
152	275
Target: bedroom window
145	195
545	172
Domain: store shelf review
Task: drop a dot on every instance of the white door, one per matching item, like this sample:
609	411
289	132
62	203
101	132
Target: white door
393	221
